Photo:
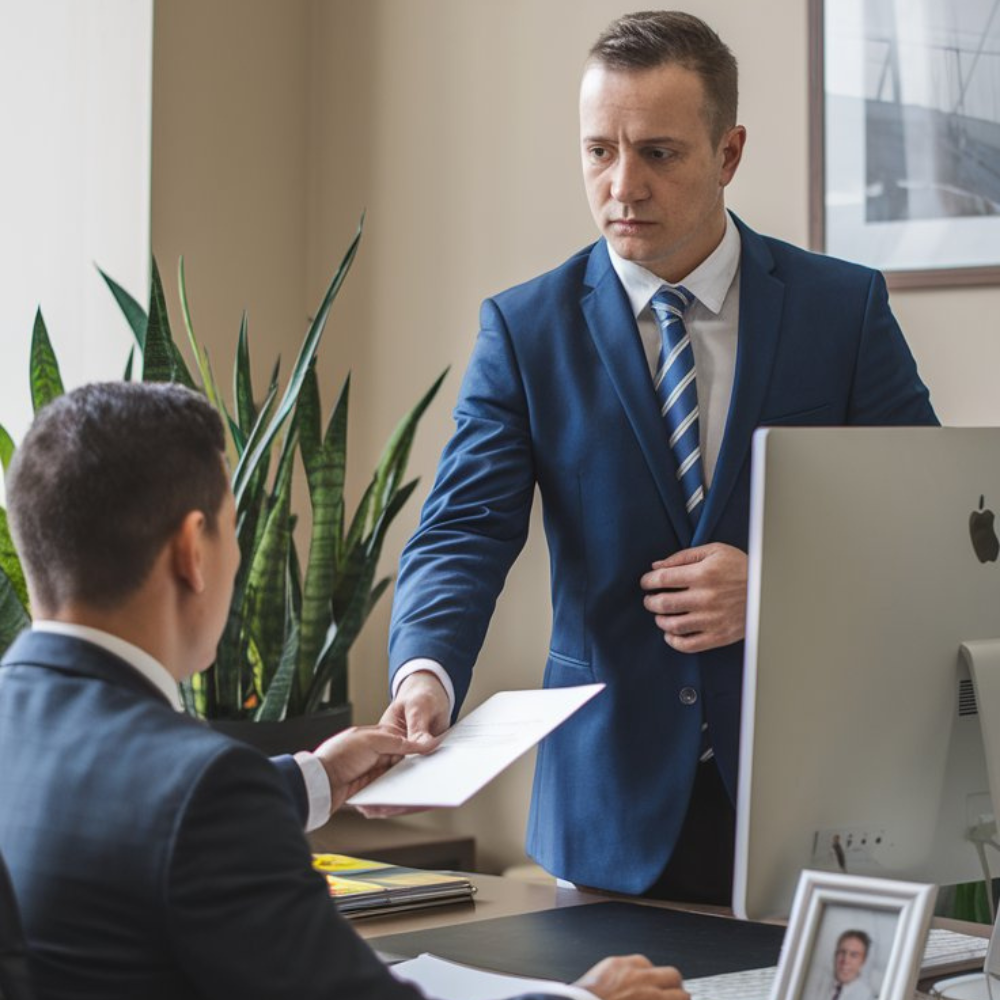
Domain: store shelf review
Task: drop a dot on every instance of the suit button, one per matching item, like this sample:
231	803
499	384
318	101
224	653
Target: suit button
688	696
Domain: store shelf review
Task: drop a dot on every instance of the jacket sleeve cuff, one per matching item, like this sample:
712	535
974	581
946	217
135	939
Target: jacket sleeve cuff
430	667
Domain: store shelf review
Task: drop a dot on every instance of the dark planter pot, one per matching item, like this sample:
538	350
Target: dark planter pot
302	732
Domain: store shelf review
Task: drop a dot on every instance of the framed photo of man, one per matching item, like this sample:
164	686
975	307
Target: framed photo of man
905	137
854	938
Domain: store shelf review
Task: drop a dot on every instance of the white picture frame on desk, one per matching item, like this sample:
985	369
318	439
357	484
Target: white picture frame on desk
832	913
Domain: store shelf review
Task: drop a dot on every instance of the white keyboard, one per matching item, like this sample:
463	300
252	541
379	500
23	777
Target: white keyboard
754	984
944	949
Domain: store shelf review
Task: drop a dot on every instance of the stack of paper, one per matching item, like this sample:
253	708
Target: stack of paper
444	980
365	888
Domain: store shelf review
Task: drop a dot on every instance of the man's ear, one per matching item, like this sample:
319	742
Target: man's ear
187	546
731	147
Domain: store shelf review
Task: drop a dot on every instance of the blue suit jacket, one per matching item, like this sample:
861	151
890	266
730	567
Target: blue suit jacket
153	857
558	393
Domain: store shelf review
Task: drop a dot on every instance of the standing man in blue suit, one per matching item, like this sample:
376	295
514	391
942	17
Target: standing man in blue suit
153	857
645	501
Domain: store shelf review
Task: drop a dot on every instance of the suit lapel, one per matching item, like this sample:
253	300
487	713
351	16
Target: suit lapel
612	327
761	302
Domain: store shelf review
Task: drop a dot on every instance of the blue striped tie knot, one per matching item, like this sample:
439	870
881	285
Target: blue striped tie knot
677	393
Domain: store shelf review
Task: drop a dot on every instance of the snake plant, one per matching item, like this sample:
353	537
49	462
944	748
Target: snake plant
291	623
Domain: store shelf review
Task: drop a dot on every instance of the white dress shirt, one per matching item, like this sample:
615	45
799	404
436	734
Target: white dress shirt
827	989
712	321
313	773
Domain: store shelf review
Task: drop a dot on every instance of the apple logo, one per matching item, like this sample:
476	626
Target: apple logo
984	538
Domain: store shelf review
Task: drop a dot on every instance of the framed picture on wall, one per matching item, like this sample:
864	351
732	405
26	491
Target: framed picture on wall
905	137
854	938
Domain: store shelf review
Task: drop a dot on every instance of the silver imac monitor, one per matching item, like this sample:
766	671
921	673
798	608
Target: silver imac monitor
872	560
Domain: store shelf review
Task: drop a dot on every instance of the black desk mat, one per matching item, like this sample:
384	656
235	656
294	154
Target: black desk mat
563	943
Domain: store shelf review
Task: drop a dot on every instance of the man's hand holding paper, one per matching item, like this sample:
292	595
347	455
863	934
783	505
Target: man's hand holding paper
474	751
421	706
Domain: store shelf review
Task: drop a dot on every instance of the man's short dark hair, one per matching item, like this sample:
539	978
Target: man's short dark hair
652	38
860	935
103	478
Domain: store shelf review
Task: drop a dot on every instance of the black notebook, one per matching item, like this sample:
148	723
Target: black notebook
564	943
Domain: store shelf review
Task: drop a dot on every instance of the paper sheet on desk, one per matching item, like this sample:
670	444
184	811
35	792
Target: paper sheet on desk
445	980
476	749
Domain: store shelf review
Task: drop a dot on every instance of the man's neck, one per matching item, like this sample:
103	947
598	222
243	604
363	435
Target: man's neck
141	661
131	622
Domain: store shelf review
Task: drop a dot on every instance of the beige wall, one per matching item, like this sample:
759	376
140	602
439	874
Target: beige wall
229	158
453	123
74	185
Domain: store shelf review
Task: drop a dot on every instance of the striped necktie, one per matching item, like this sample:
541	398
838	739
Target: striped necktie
678	395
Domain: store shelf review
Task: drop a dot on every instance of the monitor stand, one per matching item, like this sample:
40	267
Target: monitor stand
983	660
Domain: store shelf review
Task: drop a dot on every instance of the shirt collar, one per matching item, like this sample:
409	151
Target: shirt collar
709	282
148	666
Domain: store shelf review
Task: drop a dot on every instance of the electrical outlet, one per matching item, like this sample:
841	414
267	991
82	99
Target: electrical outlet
849	848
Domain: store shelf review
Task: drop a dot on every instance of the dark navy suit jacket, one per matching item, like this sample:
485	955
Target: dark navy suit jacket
558	394
152	857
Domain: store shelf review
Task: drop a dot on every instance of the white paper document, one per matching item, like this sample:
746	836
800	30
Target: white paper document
476	749
444	980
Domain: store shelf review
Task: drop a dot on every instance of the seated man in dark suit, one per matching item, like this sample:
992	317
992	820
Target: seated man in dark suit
153	857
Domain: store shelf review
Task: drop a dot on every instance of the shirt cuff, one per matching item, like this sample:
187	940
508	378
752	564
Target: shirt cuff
430	667
317	789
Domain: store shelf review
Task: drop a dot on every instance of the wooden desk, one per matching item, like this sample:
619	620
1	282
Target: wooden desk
395	841
547	932
502	897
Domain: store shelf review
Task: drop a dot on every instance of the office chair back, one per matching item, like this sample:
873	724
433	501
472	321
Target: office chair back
15	982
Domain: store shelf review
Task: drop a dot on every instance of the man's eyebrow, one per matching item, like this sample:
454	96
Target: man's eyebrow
652	140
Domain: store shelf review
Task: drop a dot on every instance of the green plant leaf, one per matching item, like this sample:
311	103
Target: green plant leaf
46	383
236	434
377	591
388	515
358	550
288	632
200	353
340	638
249	504
359	522
180	370
225	681
130	361
396	454
294	577
255	484
246	409
307	352
7	448
275	703
157	356
190	697
13	617
10	563
161	361
335	446
134	314
352	562
267	582
324	461
358	605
